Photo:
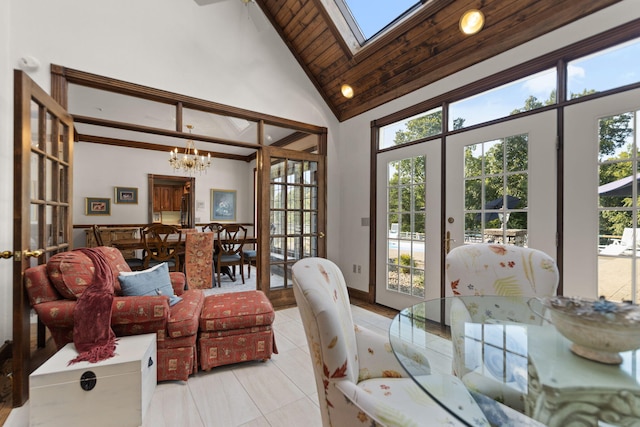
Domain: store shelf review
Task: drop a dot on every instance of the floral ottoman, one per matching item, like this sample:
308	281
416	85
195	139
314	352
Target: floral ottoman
236	327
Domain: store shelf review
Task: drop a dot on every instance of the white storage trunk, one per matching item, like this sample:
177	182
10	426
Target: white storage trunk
122	387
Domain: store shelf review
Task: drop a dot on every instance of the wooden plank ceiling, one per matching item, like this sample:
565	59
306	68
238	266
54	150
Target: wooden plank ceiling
425	48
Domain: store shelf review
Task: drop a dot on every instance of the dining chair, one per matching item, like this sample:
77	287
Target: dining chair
358	378
198	263
250	258
162	243
483	269
212	227
230	239
133	263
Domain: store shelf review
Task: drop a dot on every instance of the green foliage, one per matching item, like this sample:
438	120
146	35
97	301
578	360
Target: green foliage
506	163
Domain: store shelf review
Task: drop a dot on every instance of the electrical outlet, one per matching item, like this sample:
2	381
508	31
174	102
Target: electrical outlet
359	269
354	268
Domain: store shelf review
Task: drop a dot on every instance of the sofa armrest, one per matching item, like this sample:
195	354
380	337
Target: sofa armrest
139	309
56	314
178	282
184	317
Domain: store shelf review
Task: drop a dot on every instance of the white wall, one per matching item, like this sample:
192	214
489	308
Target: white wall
6	173
129	167
354	156
212	52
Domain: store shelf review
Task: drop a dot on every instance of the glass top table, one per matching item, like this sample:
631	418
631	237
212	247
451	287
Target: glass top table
503	349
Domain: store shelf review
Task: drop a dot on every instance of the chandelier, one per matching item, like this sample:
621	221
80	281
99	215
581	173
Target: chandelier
189	161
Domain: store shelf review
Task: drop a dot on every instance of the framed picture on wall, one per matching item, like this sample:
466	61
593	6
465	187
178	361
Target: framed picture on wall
126	195
97	206
223	205
157	217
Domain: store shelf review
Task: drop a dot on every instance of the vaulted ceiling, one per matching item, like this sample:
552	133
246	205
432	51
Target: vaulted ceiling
426	47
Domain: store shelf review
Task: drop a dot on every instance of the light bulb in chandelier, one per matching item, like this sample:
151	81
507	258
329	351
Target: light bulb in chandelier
190	161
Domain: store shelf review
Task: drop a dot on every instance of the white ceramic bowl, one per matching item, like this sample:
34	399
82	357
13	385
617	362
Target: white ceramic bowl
598	329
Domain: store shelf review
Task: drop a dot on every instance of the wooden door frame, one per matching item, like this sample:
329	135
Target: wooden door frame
26	91
285	297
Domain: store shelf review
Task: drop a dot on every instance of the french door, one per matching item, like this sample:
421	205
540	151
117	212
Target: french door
292	214
601	232
500	186
43	150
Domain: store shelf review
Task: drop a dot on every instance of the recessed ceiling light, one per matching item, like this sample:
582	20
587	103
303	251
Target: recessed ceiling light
471	22
347	91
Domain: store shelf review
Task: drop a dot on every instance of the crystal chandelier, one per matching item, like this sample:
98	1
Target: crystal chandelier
189	161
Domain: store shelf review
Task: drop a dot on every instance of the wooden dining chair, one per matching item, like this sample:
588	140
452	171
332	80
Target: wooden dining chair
230	239
133	262
212	227
162	243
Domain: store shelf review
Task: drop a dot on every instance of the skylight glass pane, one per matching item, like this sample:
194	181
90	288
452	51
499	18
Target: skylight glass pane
371	16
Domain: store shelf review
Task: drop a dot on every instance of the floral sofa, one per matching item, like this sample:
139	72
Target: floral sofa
54	288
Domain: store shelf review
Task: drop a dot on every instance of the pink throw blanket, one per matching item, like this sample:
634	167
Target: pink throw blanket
92	334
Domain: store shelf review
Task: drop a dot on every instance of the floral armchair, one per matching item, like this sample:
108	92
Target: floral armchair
54	288
495	270
359	380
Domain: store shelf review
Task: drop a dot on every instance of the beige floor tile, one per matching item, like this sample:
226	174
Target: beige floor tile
258	422
283	343
171	405
296	365
302	412
268	386
293	331
221	399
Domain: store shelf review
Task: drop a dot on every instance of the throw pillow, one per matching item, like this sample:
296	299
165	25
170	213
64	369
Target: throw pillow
153	281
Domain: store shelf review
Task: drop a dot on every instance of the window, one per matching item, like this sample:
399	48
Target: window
595	73
406	215
368	18
525	94
496	191
412	129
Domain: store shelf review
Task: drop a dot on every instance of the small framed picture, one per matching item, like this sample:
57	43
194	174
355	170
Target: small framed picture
126	195
97	206
157	217
223	205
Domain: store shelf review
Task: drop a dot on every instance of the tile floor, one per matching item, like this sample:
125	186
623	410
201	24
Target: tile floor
278	393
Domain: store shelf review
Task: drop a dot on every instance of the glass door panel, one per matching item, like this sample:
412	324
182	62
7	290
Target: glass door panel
601	230
295	213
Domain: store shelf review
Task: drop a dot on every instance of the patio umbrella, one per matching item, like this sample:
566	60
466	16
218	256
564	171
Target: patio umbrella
619	187
512	203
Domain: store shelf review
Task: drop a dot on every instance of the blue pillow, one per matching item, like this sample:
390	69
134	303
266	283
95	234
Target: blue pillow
154	281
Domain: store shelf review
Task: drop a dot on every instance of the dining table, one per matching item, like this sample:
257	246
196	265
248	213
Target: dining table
506	347
137	243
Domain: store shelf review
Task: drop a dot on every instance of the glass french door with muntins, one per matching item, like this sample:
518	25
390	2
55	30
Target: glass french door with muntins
295	213
601	233
408	225
43	171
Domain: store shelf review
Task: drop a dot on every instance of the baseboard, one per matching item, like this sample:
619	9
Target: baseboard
361	295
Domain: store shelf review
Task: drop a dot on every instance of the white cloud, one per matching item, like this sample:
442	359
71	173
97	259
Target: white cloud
541	84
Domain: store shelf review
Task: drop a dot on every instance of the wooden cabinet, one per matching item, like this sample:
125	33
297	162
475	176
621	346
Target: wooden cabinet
176	196
167	198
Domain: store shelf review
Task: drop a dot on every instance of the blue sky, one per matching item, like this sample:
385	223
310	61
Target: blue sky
373	15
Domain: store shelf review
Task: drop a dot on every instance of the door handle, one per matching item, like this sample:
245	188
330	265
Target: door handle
32	254
321	235
17	255
447	242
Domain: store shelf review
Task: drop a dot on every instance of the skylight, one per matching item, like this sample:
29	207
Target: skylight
368	18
